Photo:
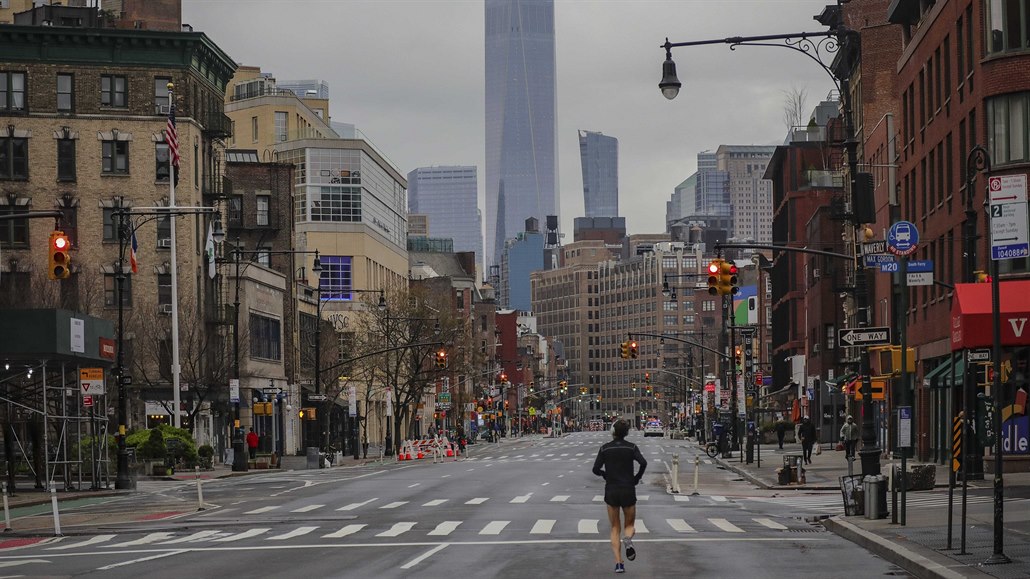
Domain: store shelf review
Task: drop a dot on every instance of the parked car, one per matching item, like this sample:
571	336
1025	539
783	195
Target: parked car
654	428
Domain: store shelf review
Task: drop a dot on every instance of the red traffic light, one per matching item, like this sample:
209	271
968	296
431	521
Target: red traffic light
60	242
713	267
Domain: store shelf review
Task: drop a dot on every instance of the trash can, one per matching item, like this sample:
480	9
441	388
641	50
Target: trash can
876	497
792	464
313	457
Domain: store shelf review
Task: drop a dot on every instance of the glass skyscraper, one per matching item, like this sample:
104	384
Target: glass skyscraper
521	148
449	196
599	156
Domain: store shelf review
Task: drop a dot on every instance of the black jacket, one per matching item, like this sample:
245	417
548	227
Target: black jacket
615	463
807	432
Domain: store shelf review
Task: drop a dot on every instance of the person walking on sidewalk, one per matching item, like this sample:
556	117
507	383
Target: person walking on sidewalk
252	443
807	434
849	434
781	431
614	463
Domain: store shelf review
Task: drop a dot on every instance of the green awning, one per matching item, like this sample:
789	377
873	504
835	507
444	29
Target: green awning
940	377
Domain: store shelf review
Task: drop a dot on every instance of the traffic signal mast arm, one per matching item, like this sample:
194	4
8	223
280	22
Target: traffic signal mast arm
684	340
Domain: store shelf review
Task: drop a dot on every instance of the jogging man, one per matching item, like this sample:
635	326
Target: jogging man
615	464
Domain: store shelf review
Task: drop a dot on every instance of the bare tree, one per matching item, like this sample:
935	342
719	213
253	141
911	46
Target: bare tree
794	107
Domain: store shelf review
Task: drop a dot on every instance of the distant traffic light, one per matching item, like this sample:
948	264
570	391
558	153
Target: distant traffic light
982	276
647	377
633	349
441	358
727	284
714	268
60	256
624	353
504	377
738	356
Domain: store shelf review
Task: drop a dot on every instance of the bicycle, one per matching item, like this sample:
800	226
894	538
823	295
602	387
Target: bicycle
328	454
712	449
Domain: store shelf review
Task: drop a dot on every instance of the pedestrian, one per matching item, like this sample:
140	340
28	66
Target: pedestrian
806	432
781	431
252	443
614	463
849	436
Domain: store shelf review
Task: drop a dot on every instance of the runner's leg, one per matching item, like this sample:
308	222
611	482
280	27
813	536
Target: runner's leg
630	515
613	518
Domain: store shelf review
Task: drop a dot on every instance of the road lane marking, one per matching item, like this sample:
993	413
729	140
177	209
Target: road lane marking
559	498
561	476
397	529
521	499
579	454
353	506
726	525
348	530
435	503
423	556
393	505
142	559
307	508
244	535
261	510
587	526
494	527
544	484
477	501
542	527
680	526
445	476
294	533
445	528
644	498
90	541
151	538
598	498
771	524
194	537
414	485
640	527
681	499
719	499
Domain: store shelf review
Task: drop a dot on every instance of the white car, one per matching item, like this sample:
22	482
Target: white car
654	428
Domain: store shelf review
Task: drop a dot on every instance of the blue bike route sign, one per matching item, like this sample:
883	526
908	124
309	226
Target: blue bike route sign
903	238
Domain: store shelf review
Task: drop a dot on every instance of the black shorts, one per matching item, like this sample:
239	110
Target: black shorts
620	496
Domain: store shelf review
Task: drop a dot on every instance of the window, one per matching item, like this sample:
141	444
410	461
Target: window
116	158
110	224
65	92
1007	128
14	158
261	217
337	204
161	101
831	336
1009	25
669	306
14	232
113	91
235	211
12	92
335	279
111	290
308	325
164	289
281	127
459	299
688	319
162	162
263	256
164	232
265	341
253	129
66	159
70	220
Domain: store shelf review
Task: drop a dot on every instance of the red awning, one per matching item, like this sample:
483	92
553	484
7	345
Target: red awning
971	315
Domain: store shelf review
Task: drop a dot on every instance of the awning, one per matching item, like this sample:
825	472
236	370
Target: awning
940	377
971	325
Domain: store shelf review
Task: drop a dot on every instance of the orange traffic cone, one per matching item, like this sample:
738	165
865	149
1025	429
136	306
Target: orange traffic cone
450	450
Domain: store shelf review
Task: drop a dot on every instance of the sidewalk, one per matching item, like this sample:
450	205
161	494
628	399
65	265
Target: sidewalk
920	546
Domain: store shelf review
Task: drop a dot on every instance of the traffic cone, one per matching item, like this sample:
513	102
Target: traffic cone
450	450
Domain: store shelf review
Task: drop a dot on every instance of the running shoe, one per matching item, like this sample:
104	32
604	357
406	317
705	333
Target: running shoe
631	553
619	568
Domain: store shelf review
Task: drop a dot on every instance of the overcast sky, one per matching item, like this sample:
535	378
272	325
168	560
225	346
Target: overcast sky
409	74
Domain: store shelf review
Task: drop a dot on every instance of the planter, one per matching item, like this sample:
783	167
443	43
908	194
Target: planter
770	437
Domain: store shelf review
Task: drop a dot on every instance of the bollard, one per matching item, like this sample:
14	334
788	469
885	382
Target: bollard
200	491
57	515
7	511
697	468
676	473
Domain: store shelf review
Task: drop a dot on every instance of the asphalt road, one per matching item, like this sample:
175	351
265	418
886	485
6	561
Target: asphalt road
520	508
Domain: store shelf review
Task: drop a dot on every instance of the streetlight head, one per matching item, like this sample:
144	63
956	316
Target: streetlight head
665	288
317	267
436	328
670	85
382	302
218	234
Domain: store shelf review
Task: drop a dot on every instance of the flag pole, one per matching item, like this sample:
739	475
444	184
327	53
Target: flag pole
171	135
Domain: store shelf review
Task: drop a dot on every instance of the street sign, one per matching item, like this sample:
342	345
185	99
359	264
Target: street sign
890	266
317	398
91	380
981	355
873	247
864	336
919	265
875	259
443	398
902	238
919	278
234	390
87	401
352	401
1009	236
904	426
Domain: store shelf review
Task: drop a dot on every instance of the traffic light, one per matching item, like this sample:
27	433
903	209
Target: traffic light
307	414
625	350
647	377
982	276
504	377
441	358
583	390
633	349
738	357
60	258
714	268
727	279
532	386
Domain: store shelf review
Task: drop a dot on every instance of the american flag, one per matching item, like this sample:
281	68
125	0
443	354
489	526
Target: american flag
172	136
132	255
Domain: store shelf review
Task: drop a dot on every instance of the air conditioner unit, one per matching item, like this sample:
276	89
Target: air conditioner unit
165	309
816	273
161	109
165	243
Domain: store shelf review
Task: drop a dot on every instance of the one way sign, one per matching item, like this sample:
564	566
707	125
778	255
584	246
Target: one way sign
864	336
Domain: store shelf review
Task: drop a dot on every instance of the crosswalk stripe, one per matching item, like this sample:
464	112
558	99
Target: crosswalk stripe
146	540
87	542
719	499
353	506
294	533
435	503
477	501
771	524
520	499
397	529
644	498
494	527
394	505
445	528
542	527
726	525
598	498
681	498
348	530
194	537
640	526
244	535
559	498
587	526
307	508
680	526
261	510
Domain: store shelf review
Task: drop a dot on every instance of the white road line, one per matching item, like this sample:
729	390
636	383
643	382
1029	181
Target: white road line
598	498
542	527
521	499
145	540
244	535
294	533
707	461
397	529
414	485
494	527
719	498
142	559
435	503
348	530
423	556
680	526
470	470
549	455
561	476
393	505
87	542
353	506
477	501
564	454
194	537
681	499
771	524
559	498
307	508
640	527
445	476
261	510
644	498
726	525
544	484
445	528
587	526
579	454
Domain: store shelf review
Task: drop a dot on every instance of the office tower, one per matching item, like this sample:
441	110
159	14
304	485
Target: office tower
307	88
521	149
599	156
750	192
448	195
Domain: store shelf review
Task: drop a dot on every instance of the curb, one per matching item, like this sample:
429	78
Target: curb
918	560
34	502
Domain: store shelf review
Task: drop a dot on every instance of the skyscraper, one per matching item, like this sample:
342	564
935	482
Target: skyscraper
521	148
599	156
449	196
750	192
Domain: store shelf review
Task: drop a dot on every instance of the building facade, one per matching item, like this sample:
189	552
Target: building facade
599	157
750	194
449	196
522	256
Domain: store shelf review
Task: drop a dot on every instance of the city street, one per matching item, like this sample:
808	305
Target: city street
513	509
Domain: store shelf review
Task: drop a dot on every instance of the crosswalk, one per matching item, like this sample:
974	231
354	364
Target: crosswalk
415	530
832	503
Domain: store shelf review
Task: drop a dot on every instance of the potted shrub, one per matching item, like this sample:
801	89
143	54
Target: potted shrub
153	452
206	453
